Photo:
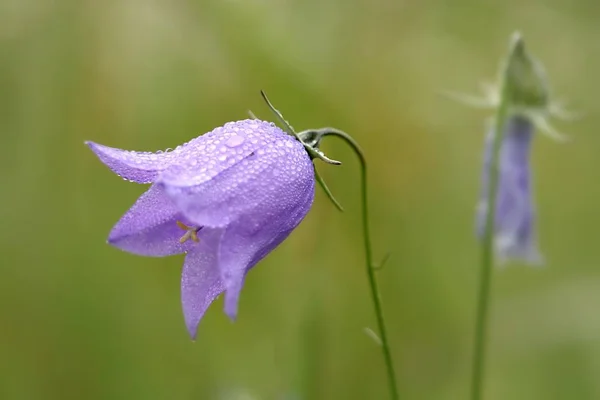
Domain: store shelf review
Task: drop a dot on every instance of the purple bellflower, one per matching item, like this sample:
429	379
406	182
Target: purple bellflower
528	107
225	199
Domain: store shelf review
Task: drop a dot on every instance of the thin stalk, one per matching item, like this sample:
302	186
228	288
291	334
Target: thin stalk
371	267
487	251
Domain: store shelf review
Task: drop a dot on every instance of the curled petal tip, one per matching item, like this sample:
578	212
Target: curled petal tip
231	307
193	332
113	238
92	145
139	167
231	300
231	314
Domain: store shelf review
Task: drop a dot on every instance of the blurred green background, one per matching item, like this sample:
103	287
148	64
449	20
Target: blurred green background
82	320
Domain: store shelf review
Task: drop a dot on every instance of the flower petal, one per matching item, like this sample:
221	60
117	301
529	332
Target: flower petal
271	177
214	152
139	167
516	236
200	279
252	237
514	215
150	228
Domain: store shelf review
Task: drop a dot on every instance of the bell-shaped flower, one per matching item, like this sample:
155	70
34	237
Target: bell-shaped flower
226	199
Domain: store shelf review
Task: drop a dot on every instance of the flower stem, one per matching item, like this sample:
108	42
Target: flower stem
375	294
487	251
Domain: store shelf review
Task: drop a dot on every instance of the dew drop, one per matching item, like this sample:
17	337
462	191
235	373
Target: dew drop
234	141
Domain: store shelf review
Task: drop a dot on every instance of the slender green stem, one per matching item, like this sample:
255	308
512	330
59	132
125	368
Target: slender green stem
310	139
371	273
487	253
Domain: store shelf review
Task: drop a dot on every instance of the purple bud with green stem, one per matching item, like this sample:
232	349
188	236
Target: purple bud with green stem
506	213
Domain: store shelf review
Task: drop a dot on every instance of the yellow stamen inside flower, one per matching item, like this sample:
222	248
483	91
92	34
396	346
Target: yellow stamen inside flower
191	232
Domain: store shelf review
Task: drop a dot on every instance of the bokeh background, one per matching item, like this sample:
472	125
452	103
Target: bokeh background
82	320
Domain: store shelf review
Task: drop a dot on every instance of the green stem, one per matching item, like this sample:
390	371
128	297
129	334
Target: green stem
369	256
487	253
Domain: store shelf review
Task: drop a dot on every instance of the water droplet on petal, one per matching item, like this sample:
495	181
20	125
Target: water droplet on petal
234	141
